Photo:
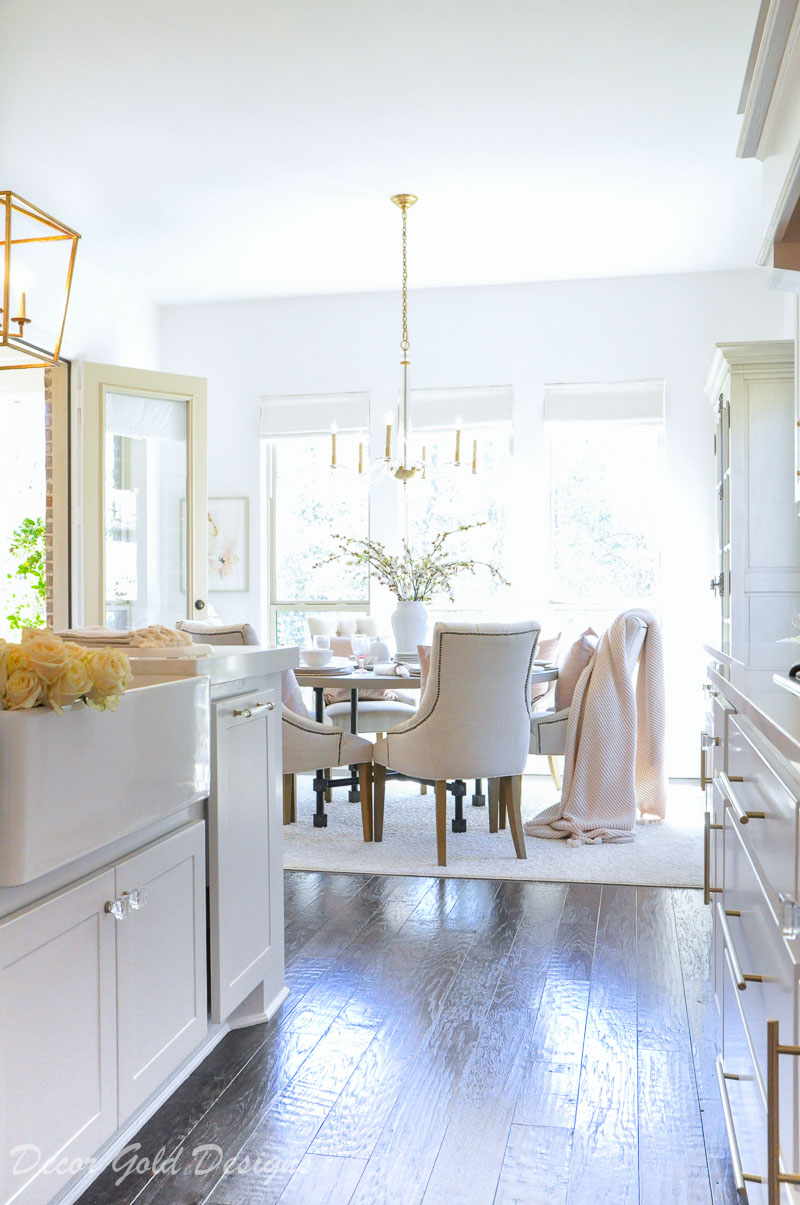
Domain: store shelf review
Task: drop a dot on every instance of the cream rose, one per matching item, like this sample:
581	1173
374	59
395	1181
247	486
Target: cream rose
74	683
45	653
24	688
109	670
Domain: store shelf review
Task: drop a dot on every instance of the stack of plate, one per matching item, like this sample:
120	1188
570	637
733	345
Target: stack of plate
337	665
411	662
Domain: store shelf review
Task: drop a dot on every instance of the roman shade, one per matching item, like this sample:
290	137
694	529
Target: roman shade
285	417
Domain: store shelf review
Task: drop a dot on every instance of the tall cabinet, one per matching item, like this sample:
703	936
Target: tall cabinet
756	572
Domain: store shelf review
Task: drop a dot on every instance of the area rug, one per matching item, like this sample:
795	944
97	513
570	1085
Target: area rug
662	855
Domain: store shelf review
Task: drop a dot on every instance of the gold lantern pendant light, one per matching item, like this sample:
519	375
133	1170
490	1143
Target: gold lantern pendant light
38	261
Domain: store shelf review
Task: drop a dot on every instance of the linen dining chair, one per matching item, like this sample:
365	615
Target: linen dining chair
549	726
306	744
473	721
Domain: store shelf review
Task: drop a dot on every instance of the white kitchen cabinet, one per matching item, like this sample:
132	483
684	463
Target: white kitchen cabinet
58	1040
103	995
161	962
245	851
757	569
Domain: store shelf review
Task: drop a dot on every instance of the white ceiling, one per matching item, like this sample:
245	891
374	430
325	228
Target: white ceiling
208	150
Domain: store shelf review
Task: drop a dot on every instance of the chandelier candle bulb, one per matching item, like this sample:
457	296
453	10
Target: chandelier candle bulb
388	421
474	455
361	458
458	440
23	313
334	429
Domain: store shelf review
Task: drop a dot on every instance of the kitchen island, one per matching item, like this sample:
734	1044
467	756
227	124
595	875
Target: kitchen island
141	904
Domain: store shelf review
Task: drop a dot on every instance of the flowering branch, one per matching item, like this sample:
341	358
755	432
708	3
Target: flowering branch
410	578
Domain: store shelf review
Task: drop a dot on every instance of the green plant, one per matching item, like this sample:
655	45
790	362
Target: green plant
28	548
411	577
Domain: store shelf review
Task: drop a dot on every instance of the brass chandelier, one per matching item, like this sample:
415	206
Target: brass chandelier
397	461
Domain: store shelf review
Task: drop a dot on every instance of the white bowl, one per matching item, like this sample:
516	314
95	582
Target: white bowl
315	658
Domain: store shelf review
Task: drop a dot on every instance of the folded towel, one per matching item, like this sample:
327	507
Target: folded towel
386	669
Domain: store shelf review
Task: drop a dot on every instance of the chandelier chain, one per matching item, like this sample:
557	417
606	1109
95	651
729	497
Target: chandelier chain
404	343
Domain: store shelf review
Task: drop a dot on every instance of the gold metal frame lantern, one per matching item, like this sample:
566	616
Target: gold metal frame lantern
38	260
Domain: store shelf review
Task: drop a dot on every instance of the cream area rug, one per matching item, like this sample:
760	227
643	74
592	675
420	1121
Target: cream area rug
661	855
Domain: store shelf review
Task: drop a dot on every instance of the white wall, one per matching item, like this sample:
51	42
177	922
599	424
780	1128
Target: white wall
523	335
109	323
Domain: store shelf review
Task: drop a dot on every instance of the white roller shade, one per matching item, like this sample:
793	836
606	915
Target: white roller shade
634	401
287	417
140	417
437	409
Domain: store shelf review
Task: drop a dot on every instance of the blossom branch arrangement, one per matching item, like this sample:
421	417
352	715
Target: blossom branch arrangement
411	577
45	671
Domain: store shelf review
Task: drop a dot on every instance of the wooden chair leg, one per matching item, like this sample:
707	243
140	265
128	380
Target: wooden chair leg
554	772
440	791
328	794
365	789
378	797
494	803
423	788
288	799
511	792
503	809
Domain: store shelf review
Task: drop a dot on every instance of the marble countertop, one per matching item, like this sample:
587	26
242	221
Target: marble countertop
227	663
770	701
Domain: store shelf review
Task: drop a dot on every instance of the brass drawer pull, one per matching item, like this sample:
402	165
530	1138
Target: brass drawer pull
246	712
708	890
738	1175
775	1177
740	979
727	790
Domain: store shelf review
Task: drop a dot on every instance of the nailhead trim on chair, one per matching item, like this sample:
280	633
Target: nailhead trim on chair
300	728
543	724
428	714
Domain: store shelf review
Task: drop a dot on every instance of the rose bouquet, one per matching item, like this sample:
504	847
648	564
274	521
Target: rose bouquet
45	671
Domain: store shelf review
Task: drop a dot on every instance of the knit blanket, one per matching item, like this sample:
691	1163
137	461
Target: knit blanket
614	758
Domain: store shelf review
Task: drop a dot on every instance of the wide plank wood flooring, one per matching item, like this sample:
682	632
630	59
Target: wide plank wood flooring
458	1041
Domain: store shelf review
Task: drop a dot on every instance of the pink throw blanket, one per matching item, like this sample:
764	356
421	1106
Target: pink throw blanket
614	759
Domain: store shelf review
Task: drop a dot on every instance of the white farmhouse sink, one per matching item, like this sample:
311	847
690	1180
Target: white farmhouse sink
70	784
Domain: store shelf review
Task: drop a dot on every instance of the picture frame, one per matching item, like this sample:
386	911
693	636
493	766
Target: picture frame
228	544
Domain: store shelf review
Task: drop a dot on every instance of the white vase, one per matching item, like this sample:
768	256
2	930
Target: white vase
410	625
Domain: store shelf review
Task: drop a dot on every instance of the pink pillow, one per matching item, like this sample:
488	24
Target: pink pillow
546	650
573	666
424	654
290	694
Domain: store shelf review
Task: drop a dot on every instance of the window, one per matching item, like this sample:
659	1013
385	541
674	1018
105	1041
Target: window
455	496
605	520
311	504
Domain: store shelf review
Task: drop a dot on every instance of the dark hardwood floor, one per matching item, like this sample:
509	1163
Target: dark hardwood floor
458	1041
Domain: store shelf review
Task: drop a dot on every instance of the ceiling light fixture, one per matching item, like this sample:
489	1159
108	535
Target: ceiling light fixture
402	465
38	261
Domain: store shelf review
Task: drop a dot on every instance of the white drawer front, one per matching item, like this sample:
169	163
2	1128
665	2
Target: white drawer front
747	1105
756	948
771	832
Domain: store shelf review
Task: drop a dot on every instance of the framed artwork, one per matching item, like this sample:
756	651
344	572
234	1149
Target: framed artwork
227	544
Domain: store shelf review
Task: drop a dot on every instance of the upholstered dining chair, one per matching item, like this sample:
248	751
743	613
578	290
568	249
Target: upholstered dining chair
473	721
549	728
307	745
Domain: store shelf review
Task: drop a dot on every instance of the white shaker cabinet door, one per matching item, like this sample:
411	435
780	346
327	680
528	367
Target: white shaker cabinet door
58	1047
161	962
245	912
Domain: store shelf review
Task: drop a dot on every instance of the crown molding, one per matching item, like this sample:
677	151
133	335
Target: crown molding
772	35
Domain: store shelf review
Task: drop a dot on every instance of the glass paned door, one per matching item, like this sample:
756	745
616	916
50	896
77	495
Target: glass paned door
144	510
144	495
